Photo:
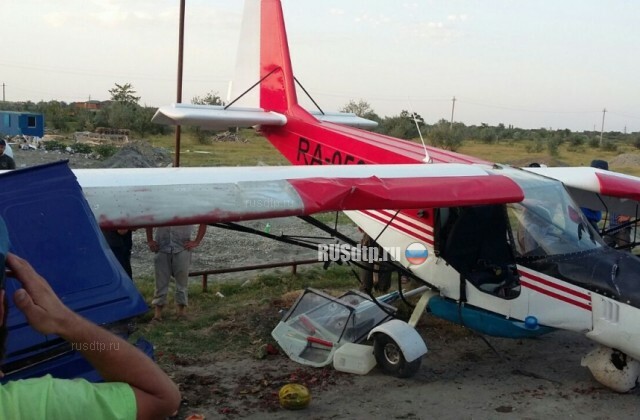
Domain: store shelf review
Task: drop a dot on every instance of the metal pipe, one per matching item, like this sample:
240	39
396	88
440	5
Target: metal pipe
206	273
176	161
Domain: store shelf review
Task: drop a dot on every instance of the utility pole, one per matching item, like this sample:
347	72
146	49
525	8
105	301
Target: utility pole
453	107
604	111
3	85
176	161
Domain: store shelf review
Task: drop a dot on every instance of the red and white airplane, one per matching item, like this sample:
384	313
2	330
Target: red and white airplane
508	251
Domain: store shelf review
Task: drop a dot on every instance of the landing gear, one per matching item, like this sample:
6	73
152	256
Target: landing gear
390	358
613	369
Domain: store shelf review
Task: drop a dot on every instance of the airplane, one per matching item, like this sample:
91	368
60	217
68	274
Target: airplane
508	251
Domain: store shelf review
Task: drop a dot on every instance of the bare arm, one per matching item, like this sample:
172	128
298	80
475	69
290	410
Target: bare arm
114	358
153	245
202	229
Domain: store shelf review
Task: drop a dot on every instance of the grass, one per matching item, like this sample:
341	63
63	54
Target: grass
238	323
505	152
256	150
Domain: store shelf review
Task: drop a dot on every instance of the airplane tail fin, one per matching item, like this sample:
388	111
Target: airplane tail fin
277	87
263	22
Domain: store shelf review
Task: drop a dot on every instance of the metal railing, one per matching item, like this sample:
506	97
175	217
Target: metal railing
206	273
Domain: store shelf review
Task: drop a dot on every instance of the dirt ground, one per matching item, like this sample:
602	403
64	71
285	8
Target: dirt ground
460	378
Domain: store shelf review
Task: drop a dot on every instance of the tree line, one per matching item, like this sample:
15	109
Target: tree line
123	111
447	135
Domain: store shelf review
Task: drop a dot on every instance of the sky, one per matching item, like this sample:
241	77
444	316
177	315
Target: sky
529	63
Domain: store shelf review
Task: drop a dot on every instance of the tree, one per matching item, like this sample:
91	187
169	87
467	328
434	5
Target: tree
446	137
142	122
56	114
362	109
211	98
124	94
402	126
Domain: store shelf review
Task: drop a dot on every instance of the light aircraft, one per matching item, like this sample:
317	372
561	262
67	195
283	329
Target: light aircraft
508	251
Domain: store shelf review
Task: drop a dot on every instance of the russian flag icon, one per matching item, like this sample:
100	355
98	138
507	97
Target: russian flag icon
416	253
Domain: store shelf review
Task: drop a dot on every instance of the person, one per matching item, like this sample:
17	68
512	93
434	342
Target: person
172	246
134	387
6	161
621	237
121	243
9	151
594	216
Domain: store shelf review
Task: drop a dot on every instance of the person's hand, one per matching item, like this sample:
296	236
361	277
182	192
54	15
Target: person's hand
153	246
189	245
622	219
37	300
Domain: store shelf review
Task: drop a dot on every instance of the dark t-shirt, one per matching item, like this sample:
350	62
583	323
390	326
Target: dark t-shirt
7	162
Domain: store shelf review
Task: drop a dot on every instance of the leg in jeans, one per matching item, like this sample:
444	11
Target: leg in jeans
181	263
162	265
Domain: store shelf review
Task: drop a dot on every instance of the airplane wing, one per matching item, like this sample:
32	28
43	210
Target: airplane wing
597	188
173	196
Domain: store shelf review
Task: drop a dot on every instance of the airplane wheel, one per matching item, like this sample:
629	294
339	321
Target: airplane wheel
390	358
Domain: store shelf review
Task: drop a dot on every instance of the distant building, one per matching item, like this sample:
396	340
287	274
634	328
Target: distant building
13	123
90	105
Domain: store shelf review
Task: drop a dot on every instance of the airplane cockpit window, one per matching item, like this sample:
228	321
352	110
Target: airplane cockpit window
548	222
476	242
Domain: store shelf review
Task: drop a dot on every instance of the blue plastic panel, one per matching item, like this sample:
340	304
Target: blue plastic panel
51	225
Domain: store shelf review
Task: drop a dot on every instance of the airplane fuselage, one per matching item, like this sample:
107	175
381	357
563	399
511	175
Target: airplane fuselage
565	283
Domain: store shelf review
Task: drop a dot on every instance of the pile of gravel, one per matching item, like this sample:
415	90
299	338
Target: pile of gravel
626	160
139	154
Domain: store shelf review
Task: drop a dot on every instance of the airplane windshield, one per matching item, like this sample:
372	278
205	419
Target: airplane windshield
547	222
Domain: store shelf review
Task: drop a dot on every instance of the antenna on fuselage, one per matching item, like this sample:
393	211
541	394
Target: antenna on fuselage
427	158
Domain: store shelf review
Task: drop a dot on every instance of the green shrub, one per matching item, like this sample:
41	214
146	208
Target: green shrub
82	148
552	146
54	145
536	147
609	146
105	150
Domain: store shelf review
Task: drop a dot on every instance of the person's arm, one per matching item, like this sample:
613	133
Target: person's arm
114	358
153	245
202	229
622	218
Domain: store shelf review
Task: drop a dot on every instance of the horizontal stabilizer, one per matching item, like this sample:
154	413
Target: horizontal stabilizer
174	196
345	118
216	117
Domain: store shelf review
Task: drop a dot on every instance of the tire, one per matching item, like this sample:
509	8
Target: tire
390	358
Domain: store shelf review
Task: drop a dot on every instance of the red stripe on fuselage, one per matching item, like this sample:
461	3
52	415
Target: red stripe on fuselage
555	295
413	222
565	289
397	227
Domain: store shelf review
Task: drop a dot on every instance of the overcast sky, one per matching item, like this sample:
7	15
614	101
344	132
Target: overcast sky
530	63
